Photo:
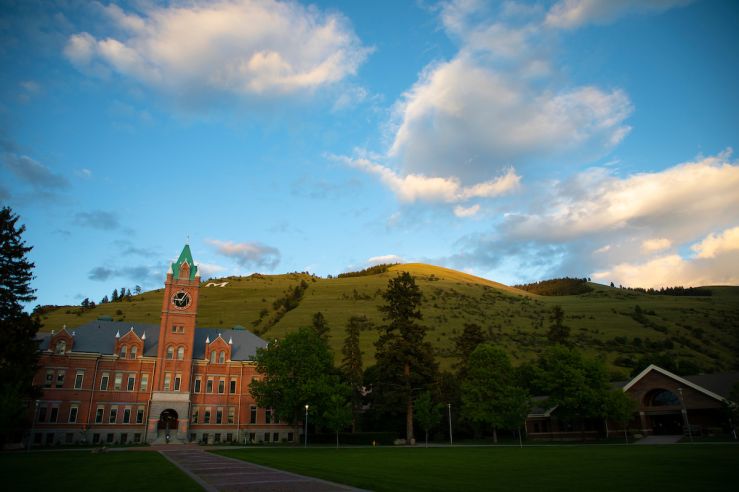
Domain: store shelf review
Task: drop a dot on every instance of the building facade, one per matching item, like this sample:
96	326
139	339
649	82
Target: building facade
112	382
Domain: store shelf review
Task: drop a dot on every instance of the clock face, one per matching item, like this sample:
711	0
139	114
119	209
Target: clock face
181	299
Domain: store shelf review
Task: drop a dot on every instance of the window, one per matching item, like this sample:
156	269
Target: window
170	352
222	357
207	416
253	414
122	354
174	328
221	386
290	437
144	382
275	437
140	415
68	438
124	437
59	379
109	438
252	436
167	381
195	413
266	437
113	415
96	438
49	378
134	351
209	386
50	438
99	415
42	414
126	415
232	389
137	437
231	415
219	415
180	353
197	385
229	437
268	416
104	381
213	357
61	347
117	381
177	380
217	437
73	414
131	382
78	378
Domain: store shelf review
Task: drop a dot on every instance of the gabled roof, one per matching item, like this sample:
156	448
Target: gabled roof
98	337
677	378
720	383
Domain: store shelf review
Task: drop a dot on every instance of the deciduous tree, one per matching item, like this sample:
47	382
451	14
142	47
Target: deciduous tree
427	413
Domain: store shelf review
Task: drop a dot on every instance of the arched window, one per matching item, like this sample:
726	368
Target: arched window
180	353
663	397
222	357
134	350
61	347
213	357
170	352
123	351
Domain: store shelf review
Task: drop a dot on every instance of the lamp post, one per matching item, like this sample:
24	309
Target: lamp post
685	414
306	426
451	440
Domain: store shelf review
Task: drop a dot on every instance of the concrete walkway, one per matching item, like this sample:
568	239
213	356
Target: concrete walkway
220	473
659	440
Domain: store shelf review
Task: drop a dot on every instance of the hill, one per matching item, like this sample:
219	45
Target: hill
621	325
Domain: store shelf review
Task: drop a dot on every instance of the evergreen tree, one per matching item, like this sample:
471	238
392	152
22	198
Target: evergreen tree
86	302
558	332
351	364
137	290
104	300
404	358
465	344
320	326
114	296
18	347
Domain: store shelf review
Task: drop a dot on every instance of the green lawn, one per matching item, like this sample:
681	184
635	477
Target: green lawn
83	470
594	467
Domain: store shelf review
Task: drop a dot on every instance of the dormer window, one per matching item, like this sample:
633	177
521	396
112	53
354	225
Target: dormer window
61	347
222	357
134	350
124	350
170	352
213	357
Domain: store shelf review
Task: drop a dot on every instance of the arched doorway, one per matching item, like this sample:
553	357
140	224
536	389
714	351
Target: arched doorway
665	412
168	421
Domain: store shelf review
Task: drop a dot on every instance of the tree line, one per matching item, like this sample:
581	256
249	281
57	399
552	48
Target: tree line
405	388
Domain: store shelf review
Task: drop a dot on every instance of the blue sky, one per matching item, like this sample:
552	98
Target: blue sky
514	140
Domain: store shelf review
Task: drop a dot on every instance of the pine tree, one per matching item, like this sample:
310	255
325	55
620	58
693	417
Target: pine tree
404	359
351	364
320	325
114	296
18	347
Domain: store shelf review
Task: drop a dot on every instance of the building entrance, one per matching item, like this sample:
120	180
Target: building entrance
168	422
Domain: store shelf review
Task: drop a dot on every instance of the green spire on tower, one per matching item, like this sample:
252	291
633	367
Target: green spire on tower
185	257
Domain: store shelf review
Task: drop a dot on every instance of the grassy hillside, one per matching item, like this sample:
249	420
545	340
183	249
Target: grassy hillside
607	321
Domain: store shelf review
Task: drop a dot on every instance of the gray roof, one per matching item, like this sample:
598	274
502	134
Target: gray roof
98	337
720	383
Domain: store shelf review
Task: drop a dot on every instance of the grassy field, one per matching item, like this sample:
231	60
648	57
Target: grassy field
551	468
703	330
82	471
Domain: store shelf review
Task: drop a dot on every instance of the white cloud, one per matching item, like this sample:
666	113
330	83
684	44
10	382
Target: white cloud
463	212
384	259
657	244
244	47
713	245
249	254
208	270
676	204
569	14
417	187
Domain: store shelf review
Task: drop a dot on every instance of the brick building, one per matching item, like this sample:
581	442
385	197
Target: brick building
111	382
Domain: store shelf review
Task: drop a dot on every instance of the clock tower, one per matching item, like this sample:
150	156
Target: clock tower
170	403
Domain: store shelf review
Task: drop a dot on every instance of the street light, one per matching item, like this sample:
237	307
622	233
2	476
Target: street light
451	440
306	426
685	414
